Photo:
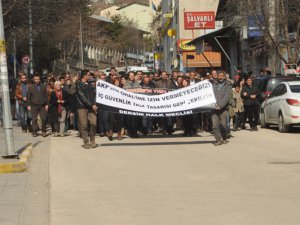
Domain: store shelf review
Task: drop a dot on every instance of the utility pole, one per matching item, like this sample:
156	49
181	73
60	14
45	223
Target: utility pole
81	41
30	38
15	56
7	118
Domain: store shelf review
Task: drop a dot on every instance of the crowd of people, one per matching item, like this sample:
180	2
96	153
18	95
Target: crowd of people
67	102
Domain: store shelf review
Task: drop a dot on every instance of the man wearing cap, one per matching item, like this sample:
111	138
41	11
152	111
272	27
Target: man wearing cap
87	109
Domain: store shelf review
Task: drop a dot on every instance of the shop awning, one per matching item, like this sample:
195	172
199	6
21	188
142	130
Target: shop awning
221	33
225	32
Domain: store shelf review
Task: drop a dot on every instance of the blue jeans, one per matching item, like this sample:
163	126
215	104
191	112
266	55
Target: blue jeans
24	116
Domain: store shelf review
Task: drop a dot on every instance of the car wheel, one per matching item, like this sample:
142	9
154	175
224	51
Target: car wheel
282	127
263	123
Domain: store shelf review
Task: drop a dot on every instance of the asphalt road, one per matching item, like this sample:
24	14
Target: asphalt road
177	180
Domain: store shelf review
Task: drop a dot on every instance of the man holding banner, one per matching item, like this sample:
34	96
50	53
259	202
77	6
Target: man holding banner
132	121
222	91
166	83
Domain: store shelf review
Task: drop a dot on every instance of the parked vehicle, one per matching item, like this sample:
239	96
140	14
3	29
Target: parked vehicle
149	64
136	68
282	107
266	84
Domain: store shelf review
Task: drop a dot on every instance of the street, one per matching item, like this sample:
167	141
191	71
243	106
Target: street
177	180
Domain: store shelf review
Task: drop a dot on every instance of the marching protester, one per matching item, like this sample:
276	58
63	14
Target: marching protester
251	96
86	109
188	119
174	78
71	104
132	121
21	94
37	100
118	118
147	122
58	110
222	91
166	83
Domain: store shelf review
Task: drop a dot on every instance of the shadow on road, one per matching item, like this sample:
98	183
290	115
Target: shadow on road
293	130
158	143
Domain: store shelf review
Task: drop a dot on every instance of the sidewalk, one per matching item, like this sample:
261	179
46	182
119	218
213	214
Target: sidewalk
21	193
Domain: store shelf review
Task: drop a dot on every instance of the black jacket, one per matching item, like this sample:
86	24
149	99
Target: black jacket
53	99
149	85
85	95
53	109
253	90
37	97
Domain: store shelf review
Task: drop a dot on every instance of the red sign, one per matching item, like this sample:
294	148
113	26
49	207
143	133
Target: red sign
199	20
25	59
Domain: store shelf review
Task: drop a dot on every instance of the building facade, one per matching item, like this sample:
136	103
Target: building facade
176	34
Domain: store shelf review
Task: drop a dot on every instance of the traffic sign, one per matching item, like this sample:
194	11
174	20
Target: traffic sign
25	59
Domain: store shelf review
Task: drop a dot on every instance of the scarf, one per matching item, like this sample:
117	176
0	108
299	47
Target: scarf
59	97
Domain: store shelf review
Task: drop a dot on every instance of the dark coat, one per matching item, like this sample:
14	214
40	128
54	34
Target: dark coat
253	90
35	97
150	85
53	105
85	95
165	84
222	95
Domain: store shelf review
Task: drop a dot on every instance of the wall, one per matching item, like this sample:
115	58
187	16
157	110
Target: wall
109	12
193	6
141	14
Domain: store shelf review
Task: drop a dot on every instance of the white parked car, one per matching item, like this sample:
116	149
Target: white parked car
282	107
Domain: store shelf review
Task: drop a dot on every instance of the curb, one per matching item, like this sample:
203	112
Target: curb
19	166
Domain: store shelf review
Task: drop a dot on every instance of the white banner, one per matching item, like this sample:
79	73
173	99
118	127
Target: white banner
184	101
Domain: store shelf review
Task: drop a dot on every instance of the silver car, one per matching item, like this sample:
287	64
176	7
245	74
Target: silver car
282	107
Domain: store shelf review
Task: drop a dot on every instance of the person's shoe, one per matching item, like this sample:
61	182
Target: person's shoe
34	134
225	142
218	142
93	143
102	135
44	134
29	129
255	128
86	146
110	138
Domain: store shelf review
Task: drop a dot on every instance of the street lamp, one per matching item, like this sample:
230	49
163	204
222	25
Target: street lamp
81	39
137	32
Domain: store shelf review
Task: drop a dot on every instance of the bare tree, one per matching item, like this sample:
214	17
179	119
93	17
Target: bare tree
278	21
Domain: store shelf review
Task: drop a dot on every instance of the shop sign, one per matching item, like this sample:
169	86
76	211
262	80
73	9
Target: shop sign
199	20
